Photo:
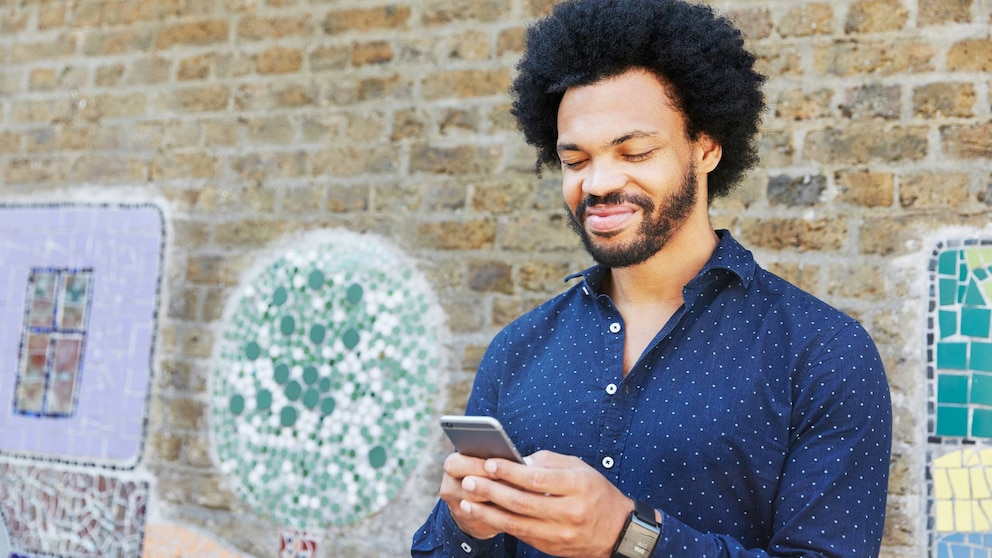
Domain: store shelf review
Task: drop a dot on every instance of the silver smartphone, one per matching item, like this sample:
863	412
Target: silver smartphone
482	437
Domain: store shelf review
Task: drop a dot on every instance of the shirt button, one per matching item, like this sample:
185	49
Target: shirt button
611	389
466	547
608	462
615	327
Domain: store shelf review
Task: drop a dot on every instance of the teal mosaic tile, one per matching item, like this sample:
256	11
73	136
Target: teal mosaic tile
952	421
948	292
981	357
947	321
973	295
952	356
981	423
952	389
947	263
981	389
975	322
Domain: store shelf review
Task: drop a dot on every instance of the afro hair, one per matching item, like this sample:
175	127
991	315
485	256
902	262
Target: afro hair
699	55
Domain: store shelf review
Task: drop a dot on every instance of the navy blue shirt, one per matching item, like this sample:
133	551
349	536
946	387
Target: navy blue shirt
757	421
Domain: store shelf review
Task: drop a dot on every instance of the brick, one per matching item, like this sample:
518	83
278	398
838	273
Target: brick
278	129
861	142
815	18
10	142
109	75
248	232
186	414
505	310
534	233
511	41
253	28
939	12
459	120
875	16
163	446
798	104
466	83
408	123
850	58
302	199
473	234
109	169
355	161
42	79
490	277
513	193
36	170
373	52
802	275
259	167
233	66
931	189
935	100
13	22
470	45
544	276
778	60
279	60
463	159
61	47
392	86
973	55
43	110
780	233
799	191
209	98
51	16
902	234
118	41
99	107
196	67
361	20
198	33
754	23
440	12
872	101
865	188
185	166
970	141
856	280
330	58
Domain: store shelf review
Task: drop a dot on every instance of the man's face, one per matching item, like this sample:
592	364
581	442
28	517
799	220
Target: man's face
629	173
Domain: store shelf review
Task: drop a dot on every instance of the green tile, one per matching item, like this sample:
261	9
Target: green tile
952	356
963	272
947	323
981	389
981	357
948	263
975	322
952	388
973	296
952	421
948	292
981	423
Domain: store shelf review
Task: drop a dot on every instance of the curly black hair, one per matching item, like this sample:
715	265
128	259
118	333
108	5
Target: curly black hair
698	54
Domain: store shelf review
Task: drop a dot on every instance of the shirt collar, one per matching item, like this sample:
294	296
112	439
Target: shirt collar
729	255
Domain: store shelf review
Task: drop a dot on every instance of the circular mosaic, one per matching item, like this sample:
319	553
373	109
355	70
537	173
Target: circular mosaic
323	392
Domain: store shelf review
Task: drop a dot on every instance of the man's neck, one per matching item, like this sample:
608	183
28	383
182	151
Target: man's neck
660	279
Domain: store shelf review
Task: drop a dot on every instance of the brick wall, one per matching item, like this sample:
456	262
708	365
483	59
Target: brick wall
251	121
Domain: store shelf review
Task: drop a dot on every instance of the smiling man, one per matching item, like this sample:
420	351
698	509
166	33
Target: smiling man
678	400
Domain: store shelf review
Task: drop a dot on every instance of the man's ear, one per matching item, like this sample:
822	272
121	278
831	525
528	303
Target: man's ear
708	153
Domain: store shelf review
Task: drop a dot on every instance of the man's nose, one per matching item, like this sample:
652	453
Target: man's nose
602	179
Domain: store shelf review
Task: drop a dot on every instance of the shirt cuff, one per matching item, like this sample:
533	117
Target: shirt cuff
460	545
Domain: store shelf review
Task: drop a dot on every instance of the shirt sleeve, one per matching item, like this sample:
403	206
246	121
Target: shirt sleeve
440	536
832	491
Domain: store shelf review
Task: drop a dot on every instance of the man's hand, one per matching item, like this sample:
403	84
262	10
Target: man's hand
456	468
556	503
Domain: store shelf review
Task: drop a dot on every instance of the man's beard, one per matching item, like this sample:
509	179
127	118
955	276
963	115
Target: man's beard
655	231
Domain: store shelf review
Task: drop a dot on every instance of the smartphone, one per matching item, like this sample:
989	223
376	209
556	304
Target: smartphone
482	437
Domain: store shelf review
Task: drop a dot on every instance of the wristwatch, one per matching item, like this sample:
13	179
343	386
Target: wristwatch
639	535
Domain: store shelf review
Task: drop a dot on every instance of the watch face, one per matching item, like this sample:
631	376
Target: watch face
639	539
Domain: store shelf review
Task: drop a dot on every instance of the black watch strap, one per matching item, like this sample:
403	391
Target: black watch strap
640	534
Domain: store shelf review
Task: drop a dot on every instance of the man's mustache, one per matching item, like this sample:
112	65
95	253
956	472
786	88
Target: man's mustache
613	198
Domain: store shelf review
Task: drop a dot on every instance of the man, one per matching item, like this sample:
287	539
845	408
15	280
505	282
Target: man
678	400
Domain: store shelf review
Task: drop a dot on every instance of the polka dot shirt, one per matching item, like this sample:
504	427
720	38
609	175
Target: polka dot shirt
757	421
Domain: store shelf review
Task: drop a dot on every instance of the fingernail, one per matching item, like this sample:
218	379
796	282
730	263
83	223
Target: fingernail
466	506
528	460
468	484
490	466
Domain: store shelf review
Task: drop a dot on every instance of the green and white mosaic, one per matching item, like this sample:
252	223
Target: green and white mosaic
323	393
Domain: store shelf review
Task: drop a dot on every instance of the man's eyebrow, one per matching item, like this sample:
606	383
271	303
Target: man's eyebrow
561	147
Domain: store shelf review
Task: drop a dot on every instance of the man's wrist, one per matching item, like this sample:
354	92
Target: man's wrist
640	533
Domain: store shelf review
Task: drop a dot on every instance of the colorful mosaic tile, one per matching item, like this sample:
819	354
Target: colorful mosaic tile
322	395
79	291
61	513
960	380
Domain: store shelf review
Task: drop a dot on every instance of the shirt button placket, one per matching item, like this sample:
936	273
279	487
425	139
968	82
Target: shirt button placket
607	462
615	327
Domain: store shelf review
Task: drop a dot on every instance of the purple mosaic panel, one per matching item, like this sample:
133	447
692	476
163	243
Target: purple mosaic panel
103	414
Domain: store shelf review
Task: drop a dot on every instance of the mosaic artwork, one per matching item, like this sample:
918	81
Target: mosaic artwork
323	391
78	299
60	513
163	540
960	400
